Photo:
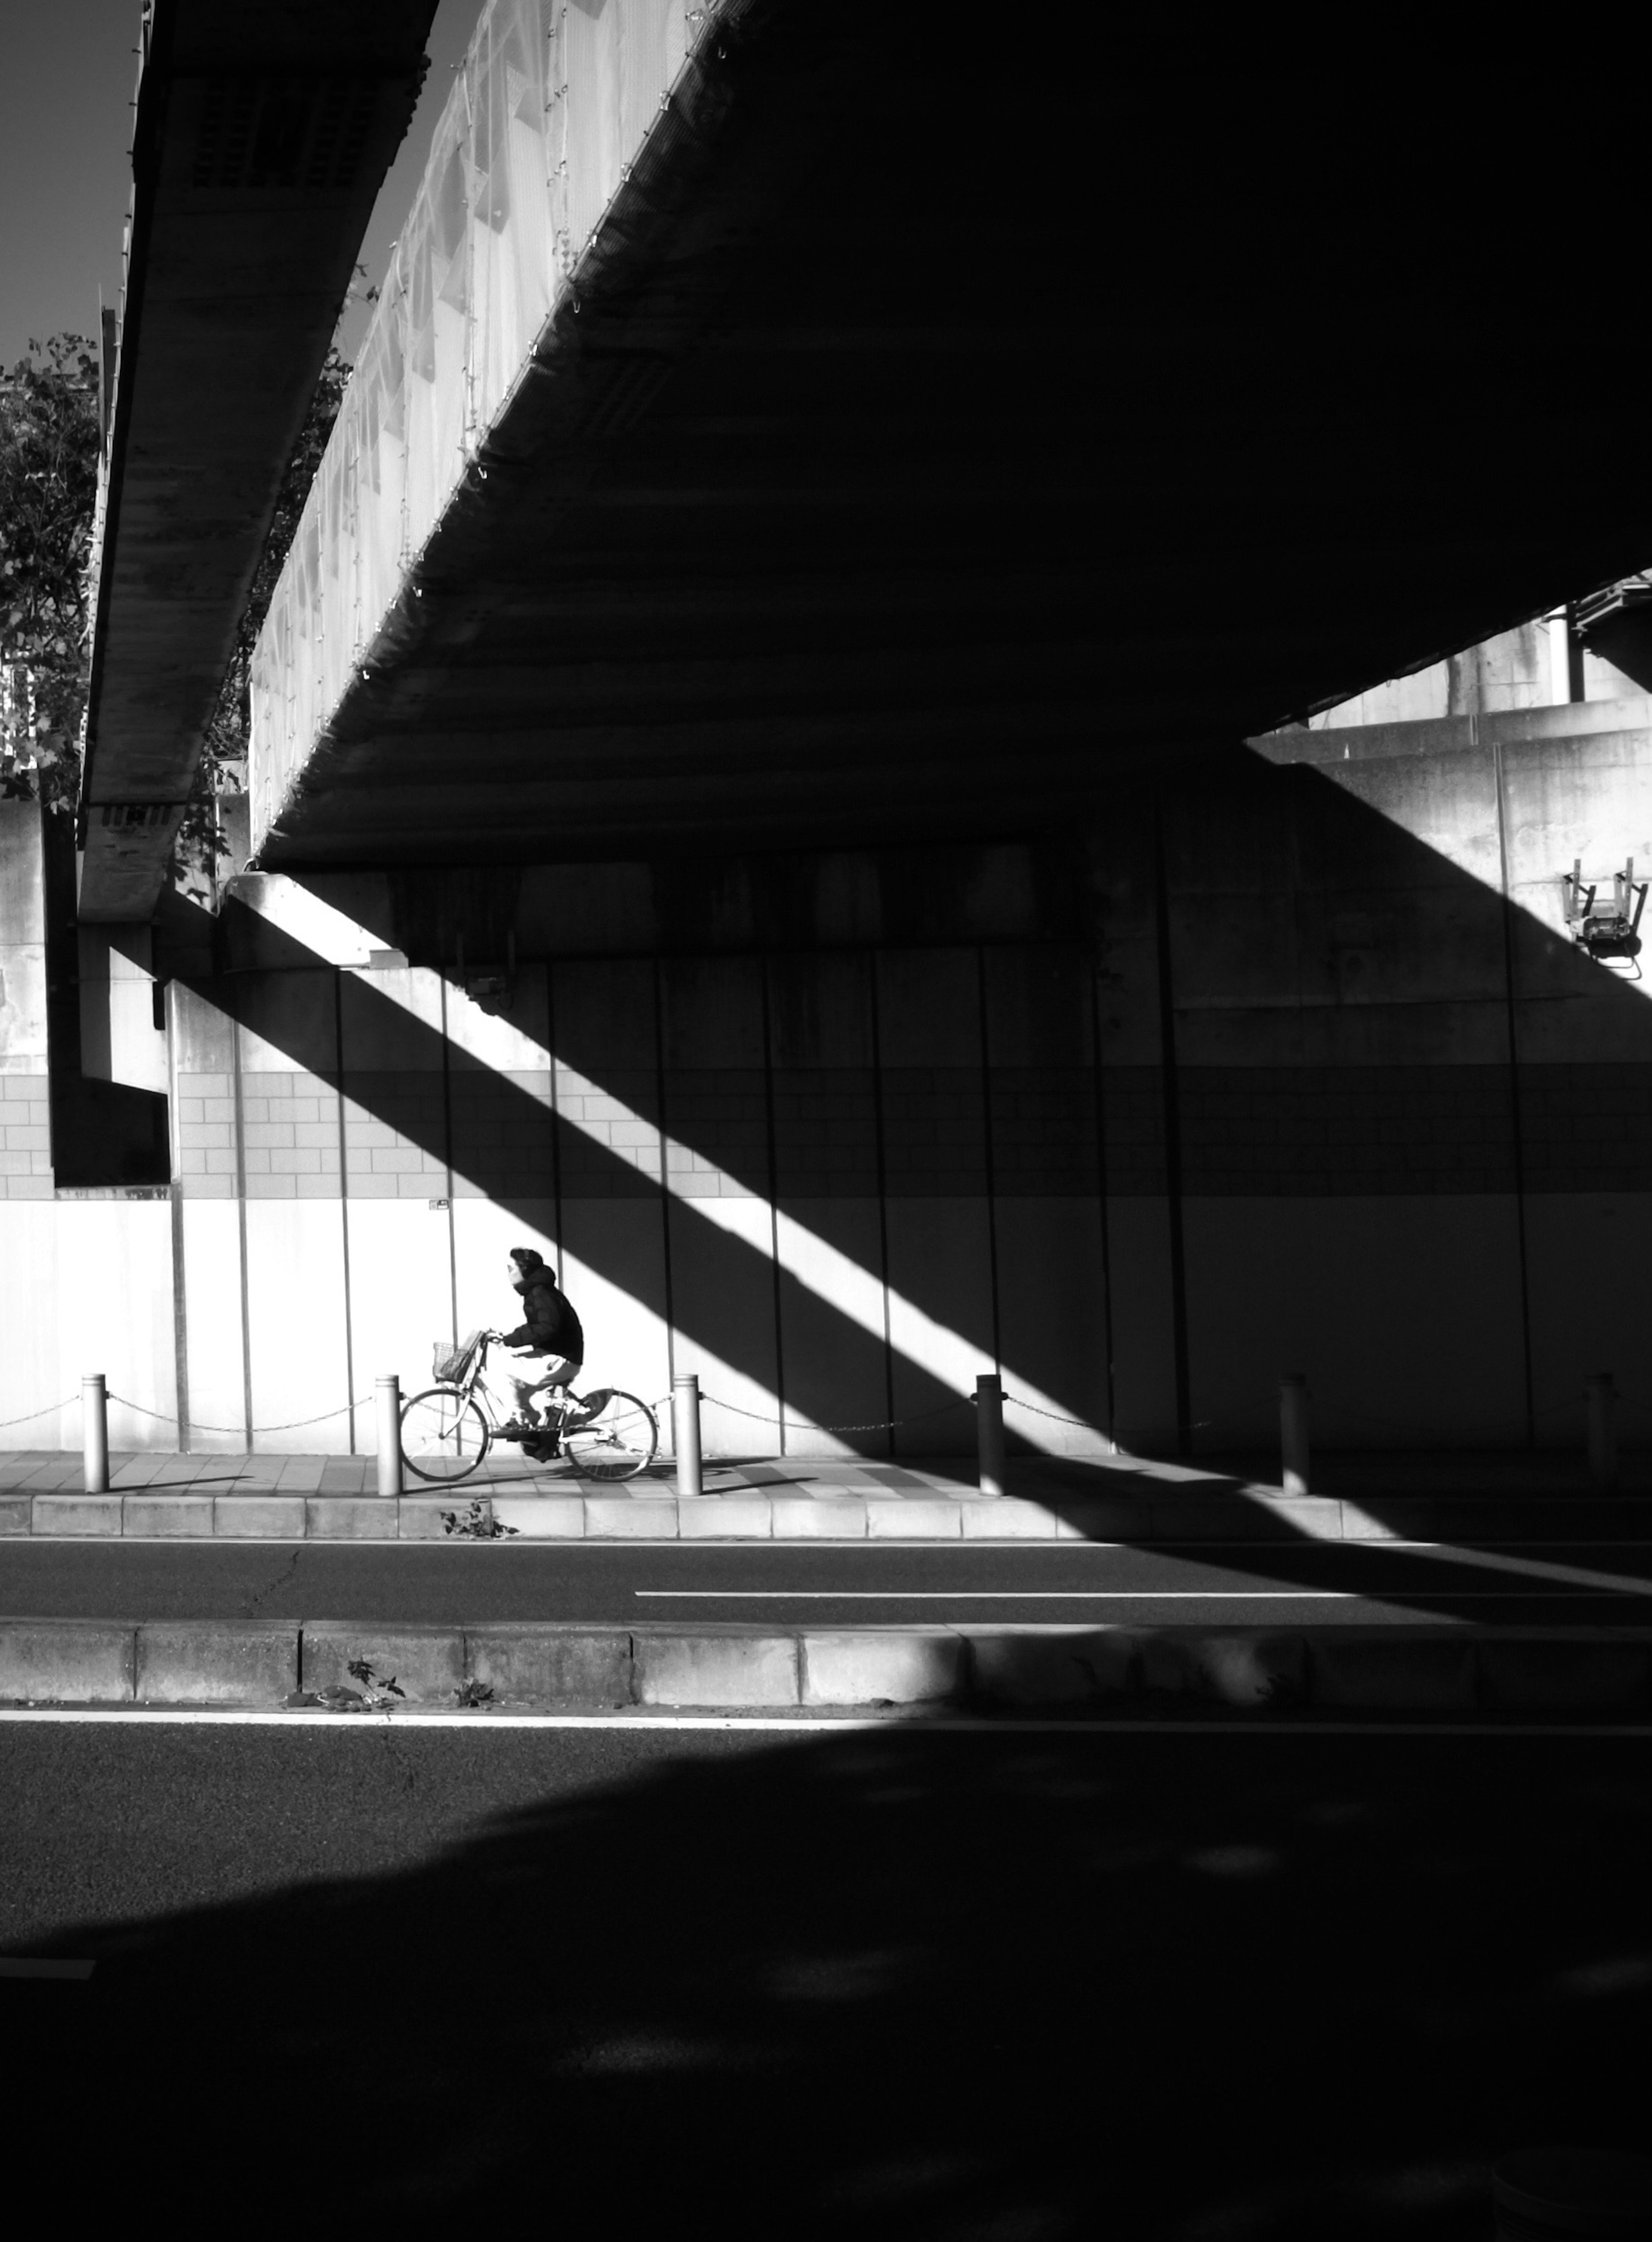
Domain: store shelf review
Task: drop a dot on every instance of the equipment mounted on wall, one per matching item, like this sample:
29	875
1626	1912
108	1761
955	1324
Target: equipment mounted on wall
1607	929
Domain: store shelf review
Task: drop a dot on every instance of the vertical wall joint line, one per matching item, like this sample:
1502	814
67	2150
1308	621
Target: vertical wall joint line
344	1207
447	1156
180	1294
1094	967
1517	1128
1172	1136
883	1193
556	1124
240	1208
765	964
665	1179
987	1154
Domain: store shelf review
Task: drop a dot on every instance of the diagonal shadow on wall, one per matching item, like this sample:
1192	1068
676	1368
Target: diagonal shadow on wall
1339	879
509	1145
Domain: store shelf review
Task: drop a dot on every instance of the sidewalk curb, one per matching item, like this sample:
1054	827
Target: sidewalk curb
1428	1669
657	1514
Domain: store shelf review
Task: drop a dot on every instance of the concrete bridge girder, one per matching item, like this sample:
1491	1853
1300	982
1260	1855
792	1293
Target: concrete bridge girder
759	453
260	141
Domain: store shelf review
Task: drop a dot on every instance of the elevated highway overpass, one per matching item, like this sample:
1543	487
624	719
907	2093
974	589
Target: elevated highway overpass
747	763
792	426
261	136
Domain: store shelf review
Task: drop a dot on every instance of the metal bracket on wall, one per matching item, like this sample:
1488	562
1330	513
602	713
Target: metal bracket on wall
1607	928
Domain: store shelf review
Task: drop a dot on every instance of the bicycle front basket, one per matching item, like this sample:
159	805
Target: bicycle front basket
451	1363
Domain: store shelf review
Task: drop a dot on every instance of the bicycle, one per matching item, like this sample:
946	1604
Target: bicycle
448	1430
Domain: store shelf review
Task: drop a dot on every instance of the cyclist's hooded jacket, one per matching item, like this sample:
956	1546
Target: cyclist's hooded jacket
550	1324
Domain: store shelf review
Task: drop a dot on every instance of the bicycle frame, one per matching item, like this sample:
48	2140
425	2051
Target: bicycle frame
565	1416
562	1399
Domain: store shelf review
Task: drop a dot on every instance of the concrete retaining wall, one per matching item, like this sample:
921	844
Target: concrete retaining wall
1289	1064
1420	1669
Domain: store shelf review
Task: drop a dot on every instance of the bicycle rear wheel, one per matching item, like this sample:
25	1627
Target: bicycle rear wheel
616	1440
444	1434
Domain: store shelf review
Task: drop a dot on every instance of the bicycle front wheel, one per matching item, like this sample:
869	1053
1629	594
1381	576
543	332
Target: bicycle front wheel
617	1440
444	1434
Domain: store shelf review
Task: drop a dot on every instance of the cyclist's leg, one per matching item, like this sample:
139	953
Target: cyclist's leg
542	1398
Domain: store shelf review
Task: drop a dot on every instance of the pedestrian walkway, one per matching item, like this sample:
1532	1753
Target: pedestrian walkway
268	1496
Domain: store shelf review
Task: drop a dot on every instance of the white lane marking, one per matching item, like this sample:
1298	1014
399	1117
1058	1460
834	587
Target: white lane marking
1372	1595
639	1723
24	1966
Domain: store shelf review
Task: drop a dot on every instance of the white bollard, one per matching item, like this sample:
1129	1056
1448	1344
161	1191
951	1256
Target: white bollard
989	1430
1293	1432
1601	1396
389	1435
685	1432
94	1432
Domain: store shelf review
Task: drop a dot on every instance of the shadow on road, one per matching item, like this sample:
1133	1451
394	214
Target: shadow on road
978	1988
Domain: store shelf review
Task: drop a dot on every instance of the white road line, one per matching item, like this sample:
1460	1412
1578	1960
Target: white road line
1372	1595
641	1724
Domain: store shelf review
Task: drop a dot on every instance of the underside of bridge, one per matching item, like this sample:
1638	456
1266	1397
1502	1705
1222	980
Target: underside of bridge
939	422
261	137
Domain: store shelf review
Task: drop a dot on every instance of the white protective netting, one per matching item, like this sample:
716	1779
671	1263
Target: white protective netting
551	106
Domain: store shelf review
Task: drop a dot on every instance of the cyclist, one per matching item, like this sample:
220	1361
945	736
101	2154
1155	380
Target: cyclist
549	1337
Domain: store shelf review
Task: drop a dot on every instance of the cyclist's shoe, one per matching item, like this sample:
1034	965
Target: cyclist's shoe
520	1429
544	1449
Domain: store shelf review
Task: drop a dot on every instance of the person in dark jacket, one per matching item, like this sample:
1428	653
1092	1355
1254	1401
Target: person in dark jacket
548	1336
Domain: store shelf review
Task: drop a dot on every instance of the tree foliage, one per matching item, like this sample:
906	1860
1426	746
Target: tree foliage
48	452
199	842
49	455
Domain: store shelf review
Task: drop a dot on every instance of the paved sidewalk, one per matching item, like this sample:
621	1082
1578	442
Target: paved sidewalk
1439	1497
56	1472
1484	1474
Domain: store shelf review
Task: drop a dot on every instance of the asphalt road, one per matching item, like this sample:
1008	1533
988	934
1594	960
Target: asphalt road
1241	1583
943	1986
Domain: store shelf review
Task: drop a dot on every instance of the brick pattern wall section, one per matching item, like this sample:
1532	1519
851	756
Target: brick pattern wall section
1132	1120
718	1131
395	1134
203	1135
825	1132
290	1135
609	1134
935	1141
1247	1132
1043	1128
502	1132
1352	1133
25	1136
25	1112
1587	1128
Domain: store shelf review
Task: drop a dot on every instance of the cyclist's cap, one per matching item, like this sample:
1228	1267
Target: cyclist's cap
526	1256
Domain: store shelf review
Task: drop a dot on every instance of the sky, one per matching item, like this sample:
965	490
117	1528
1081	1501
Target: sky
67	74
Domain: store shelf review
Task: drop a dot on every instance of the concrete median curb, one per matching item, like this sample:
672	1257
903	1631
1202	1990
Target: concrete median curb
1423	1670
655	1513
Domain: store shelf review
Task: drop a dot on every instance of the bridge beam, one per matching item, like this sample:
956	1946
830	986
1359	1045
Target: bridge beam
261	140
